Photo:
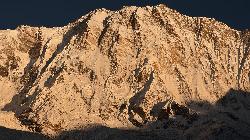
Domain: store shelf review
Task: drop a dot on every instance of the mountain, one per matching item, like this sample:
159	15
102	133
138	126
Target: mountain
137	73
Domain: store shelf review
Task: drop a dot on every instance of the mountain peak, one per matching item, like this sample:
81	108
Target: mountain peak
139	67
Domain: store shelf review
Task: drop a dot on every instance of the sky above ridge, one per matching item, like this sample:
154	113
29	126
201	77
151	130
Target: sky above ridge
50	13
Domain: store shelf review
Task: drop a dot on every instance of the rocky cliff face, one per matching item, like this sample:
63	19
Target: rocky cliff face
139	67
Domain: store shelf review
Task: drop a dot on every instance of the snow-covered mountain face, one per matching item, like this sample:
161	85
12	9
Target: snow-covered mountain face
139	67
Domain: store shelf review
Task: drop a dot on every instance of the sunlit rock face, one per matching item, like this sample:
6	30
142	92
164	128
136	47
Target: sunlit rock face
139	67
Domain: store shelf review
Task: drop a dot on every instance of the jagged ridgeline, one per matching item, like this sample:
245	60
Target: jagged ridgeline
140	67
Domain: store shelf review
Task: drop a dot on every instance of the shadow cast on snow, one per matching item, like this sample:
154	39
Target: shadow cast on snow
12	134
226	119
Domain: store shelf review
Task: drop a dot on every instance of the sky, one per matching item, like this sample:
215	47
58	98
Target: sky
51	13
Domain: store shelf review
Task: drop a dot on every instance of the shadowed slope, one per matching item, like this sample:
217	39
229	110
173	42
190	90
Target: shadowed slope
12	134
